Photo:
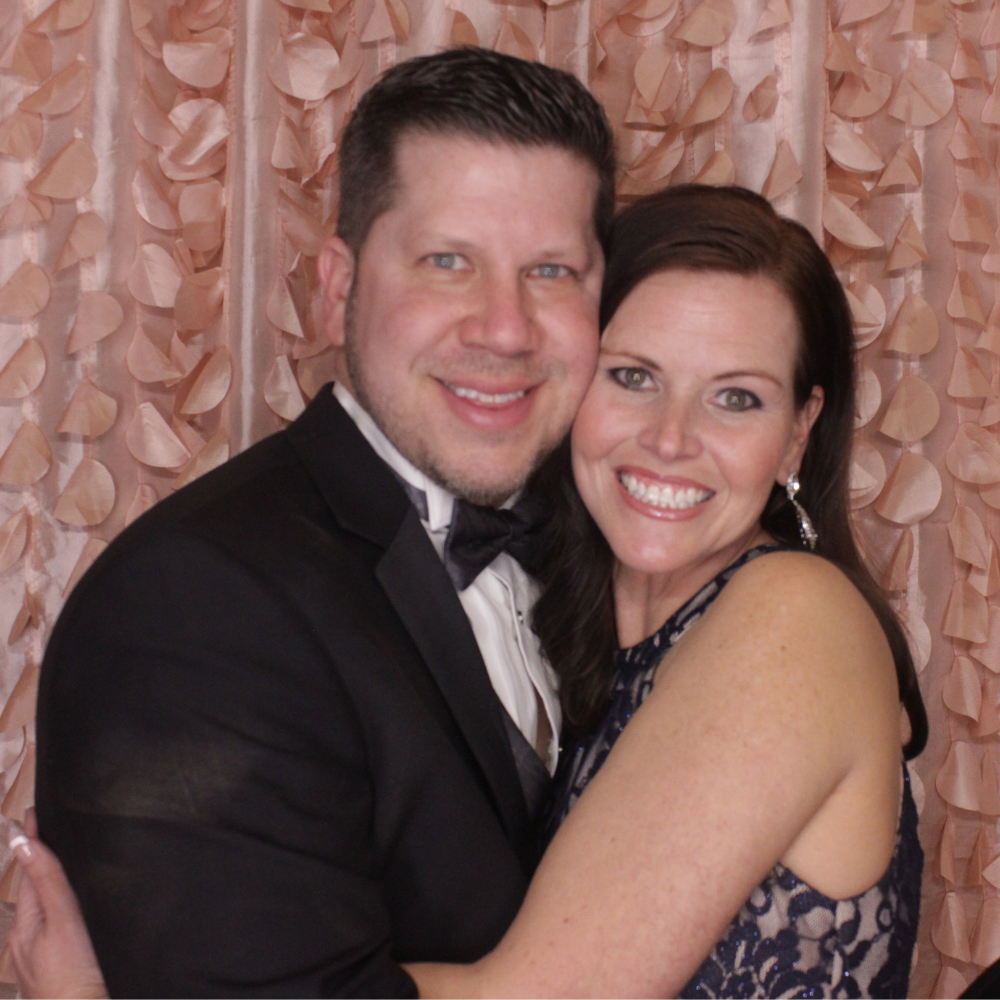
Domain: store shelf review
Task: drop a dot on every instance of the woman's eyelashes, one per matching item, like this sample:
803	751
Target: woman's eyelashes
632	378
733	399
737	400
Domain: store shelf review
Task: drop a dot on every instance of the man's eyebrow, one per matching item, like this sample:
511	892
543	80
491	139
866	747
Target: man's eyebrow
557	252
453	244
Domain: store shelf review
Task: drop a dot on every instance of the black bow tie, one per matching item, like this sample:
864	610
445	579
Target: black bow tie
479	534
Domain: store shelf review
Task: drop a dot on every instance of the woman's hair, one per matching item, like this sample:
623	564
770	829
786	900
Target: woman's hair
732	231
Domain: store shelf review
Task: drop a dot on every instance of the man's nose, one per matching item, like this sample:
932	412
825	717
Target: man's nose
501	318
672	431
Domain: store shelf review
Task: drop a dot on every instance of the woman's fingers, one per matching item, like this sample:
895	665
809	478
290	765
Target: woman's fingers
55	897
49	943
29	917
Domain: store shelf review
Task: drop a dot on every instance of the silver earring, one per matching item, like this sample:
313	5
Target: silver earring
806	529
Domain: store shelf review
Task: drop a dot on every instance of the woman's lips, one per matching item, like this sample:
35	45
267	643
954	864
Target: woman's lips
661	499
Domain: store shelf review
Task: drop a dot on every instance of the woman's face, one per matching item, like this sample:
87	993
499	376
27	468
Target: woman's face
691	419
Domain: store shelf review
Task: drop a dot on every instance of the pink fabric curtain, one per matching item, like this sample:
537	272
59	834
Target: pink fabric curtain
168	171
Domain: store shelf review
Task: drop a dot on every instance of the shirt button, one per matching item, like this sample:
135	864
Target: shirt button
520	617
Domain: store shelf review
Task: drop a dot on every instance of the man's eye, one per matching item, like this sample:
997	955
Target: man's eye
631	378
740	399
447	261
551	271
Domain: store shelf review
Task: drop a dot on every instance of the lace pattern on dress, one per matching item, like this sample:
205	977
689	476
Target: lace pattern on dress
788	940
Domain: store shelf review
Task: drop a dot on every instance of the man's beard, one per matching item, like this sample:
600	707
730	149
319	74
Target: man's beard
415	450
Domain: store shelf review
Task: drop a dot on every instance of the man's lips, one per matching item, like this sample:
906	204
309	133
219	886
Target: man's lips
484	398
674	497
495	408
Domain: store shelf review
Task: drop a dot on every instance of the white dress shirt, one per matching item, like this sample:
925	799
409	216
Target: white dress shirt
498	602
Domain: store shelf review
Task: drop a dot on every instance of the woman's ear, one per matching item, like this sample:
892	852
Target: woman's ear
336	266
804	420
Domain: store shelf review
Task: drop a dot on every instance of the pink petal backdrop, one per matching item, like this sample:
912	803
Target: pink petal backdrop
168	171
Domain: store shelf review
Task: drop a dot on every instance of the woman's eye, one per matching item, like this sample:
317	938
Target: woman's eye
631	378
740	399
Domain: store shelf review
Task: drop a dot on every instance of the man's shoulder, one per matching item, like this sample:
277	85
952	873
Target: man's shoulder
268	475
237	505
314	492
301	471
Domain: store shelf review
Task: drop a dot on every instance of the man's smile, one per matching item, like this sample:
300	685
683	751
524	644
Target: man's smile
486	398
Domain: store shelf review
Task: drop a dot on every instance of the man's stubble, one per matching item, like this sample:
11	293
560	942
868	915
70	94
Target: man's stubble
417	451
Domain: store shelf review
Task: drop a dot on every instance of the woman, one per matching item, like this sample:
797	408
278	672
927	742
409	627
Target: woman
759	773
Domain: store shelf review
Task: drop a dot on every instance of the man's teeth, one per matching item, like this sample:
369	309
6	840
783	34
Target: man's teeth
664	497
491	398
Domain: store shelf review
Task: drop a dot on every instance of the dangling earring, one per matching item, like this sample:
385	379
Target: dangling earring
806	529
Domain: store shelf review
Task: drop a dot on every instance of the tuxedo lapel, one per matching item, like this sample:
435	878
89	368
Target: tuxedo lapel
367	500
423	595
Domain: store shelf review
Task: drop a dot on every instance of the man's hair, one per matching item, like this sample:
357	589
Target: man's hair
474	93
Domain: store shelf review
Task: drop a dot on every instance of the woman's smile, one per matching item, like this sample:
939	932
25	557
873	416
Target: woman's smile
658	498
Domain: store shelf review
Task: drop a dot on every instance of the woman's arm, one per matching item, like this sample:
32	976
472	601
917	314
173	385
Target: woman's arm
772	733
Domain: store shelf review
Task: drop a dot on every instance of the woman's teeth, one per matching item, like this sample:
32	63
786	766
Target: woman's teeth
490	398
664	497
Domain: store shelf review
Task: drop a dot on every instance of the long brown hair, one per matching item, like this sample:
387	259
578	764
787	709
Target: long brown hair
731	230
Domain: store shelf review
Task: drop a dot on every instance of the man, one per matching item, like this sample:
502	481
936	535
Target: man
286	724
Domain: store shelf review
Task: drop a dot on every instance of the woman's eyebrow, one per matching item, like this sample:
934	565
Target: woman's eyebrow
640	361
750	373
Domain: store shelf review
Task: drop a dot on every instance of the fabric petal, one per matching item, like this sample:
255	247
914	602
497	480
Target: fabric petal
87	499
912	492
97	316
27	458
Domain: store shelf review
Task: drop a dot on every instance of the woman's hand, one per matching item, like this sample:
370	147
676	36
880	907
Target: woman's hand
49	943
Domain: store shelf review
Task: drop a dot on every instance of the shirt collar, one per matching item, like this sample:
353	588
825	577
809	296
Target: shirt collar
439	501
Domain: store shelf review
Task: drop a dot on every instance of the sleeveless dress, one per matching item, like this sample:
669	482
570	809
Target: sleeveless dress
788	940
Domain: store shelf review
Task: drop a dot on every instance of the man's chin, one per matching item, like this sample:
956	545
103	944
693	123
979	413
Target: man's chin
483	475
481	465
485	490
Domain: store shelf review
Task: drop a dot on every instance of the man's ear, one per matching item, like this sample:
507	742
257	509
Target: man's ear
336	274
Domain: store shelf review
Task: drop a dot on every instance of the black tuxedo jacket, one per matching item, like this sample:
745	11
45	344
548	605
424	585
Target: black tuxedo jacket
269	753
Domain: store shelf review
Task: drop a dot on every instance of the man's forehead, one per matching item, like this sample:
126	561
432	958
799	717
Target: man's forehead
437	171
460	149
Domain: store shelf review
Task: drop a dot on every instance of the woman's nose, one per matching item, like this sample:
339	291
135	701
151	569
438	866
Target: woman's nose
672	431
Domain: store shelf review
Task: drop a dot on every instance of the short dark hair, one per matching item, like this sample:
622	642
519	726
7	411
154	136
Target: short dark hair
731	230
468	92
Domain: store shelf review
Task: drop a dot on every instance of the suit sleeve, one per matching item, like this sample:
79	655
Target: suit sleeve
202	775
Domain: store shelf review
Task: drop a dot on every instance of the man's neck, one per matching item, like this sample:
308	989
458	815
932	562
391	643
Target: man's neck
440	503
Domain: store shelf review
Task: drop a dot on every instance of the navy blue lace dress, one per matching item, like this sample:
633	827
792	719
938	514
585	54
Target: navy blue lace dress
788	940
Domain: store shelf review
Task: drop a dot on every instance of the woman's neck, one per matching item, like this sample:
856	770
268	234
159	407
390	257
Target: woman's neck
644	601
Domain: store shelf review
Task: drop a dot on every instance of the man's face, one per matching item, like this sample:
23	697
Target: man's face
469	321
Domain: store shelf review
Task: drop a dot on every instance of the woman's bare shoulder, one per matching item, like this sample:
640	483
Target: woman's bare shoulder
800	613
791	585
